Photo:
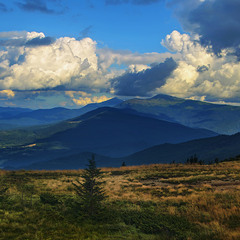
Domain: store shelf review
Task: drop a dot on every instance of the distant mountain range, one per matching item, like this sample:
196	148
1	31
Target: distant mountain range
8	112
161	129
106	131
12	118
223	119
119	132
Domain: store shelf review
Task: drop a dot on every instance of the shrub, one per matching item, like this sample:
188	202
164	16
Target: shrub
48	198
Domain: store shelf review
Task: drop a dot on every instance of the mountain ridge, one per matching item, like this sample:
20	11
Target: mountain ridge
28	117
221	147
106	131
223	119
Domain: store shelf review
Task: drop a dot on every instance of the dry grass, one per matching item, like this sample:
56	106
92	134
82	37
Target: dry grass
207	195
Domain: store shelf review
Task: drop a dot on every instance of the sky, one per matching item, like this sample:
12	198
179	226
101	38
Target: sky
70	53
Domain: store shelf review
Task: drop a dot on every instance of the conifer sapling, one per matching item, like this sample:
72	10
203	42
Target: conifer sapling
90	189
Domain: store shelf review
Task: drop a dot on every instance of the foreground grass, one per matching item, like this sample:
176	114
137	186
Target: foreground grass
146	202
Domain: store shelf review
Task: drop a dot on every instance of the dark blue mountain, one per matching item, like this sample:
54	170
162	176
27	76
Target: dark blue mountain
75	161
106	131
223	119
15	118
6	112
114	132
207	150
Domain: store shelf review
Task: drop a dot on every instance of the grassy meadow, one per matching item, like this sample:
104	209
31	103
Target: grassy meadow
164	201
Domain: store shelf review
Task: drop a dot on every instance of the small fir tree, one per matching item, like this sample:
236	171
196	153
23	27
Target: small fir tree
90	190
124	164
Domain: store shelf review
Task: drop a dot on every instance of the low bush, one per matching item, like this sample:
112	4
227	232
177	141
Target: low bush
48	198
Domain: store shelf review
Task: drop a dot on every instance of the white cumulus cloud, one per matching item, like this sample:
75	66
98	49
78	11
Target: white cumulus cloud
7	93
65	62
82	101
32	61
200	73
107	57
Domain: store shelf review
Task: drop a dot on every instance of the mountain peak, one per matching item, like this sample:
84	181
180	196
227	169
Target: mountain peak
165	97
113	101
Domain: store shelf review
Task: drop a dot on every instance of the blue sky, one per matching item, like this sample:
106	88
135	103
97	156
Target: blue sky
71	52
119	26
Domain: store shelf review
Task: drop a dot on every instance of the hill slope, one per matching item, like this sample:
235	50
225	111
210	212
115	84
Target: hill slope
223	119
115	132
106	131
208	149
75	161
11	118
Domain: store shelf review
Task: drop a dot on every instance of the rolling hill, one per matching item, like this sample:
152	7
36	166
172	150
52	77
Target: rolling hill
9	112
114	132
6	112
12	118
75	161
208	149
106	131
223	119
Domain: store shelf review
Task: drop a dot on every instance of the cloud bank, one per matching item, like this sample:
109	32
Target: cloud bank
144	82
23	38
108	57
32	61
194	71
207	59
217	22
200	73
199	65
